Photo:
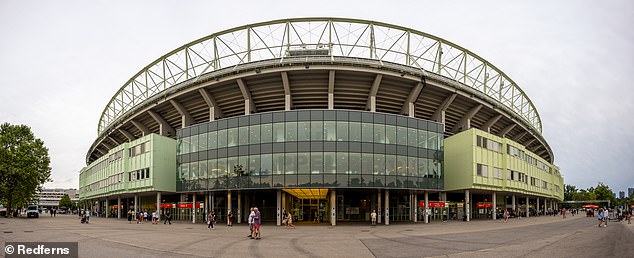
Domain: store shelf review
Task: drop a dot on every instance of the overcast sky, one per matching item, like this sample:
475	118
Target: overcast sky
62	61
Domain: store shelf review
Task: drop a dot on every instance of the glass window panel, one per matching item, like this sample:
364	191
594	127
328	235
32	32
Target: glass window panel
179	147
401	165
266	164
379	133
254	165
316	130
366	163
278	132
330	163
342	163
202	169
423	167
379	164
303	131
390	165
212	140
290	163
291	131
231	164
367	134
412	137
278	163
243	135
195	146
330	131
401	135
267	133
342	131
303	163
390	134
422	139
232	137
202	141
222	138
354	131
244	162
431	140
254	134
316	162
412	166
213	168
441	142
187	144
184	172
354	161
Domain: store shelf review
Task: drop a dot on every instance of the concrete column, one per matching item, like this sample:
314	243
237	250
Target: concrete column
387	207
513	202
279	208
106	210
494	202
238	213
213	201
379	208
206	204
333	208
284	202
425	212
228	201
136	203
158	204
118	207
414	206
194	208
527	207
467	204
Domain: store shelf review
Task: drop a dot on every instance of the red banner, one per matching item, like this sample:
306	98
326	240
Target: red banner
484	205
434	204
115	206
167	205
189	205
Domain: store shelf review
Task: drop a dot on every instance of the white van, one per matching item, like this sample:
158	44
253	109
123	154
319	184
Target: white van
32	211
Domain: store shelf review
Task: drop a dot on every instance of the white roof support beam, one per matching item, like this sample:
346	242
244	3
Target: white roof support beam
518	137
331	89
100	151
487	126
164	128
288	101
112	139
371	104
439	115
144	130
249	107
107	145
408	106
127	135
506	130
214	110
465	121
534	149
186	118
528	143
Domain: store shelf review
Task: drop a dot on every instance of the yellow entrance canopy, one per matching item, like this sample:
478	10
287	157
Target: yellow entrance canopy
308	193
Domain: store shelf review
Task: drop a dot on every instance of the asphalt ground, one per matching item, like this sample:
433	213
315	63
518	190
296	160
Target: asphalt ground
544	236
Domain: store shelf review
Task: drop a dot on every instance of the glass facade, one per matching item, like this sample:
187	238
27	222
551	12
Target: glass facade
311	148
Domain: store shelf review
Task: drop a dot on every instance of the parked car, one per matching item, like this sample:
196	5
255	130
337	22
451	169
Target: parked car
32	211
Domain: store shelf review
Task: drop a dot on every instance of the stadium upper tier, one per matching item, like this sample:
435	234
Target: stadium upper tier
319	63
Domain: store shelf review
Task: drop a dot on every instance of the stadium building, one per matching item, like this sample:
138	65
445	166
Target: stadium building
327	118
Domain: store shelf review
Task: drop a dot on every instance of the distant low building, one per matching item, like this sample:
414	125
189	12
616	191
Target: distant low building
630	191
621	194
49	198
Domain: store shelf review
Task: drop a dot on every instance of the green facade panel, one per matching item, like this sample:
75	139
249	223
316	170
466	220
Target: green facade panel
475	159
145	164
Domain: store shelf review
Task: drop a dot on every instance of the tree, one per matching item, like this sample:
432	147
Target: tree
603	192
24	165
569	192
65	202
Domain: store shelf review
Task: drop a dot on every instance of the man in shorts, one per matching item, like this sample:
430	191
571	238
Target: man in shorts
257	221
373	215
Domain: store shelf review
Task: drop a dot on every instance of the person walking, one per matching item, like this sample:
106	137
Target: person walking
229	219
506	215
144	216
87	216
250	221
289	222
600	216
129	216
606	216
373	215
563	212
168	218
257	222
210	220
629	217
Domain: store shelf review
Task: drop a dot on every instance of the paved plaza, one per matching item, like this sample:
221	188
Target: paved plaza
543	236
